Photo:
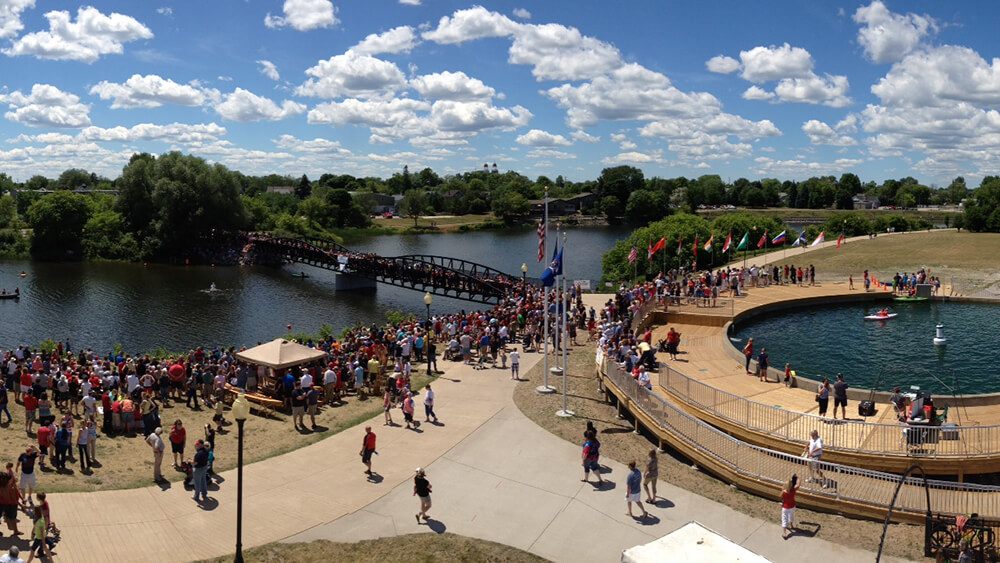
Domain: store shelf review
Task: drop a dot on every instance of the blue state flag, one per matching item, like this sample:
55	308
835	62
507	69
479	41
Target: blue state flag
554	269
801	240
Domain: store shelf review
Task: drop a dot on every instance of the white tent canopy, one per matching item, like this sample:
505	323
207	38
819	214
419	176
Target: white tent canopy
280	354
692	542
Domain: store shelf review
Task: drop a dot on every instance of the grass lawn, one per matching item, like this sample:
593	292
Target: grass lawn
619	443
426	548
947	253
126	462
444	222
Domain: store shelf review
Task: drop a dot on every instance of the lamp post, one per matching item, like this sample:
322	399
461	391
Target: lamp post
427	339
241	409
524	286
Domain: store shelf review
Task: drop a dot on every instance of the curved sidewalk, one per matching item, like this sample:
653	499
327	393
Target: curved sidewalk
496	476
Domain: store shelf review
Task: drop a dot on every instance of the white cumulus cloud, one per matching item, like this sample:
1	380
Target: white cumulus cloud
763	64
400	39
474	23
829	91
522	13
244	106
10	16
92	34
304	15
822	134
352	75
149	91
269	69
757	93
722	64
410	2
46	106
887	37
557	52
584	137
539	138
451	86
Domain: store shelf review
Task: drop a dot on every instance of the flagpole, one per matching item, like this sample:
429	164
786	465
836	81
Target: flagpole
565	412
546	388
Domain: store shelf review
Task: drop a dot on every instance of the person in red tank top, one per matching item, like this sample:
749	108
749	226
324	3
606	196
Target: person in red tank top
788	506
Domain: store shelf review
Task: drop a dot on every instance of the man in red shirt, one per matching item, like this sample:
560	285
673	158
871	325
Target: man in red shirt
44	440
367	449
30	404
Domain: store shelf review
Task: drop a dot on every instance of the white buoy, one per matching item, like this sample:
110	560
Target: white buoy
939	339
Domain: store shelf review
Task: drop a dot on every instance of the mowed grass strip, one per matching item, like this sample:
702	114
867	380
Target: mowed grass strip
426	548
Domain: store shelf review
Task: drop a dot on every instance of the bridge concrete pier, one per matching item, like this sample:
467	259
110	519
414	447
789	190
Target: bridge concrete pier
350	282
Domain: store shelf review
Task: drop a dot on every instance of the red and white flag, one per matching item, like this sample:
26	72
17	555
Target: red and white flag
633	255
729	242
660	245
541	241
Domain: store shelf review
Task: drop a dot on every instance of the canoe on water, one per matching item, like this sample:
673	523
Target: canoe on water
879	317
9	296
300	275
909	299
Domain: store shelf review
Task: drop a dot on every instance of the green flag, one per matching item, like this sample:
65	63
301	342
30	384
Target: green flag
743	242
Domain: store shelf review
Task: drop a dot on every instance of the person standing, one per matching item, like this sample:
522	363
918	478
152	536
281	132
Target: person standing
823	396
515	365
387	404
633	489
298	405
762	363
840	396
788	506
4	400
591	456
312	406
12	556
82	436
178	436
200	471
429	405
26	464
422	489
330	385
814	451
155	441
650	476
367	449
10	499
748	352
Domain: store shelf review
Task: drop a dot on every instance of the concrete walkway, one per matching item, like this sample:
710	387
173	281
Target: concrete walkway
496	475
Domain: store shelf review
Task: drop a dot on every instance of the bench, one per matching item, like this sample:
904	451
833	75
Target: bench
265	405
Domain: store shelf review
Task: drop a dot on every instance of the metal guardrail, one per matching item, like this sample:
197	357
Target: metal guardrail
840	435
838	482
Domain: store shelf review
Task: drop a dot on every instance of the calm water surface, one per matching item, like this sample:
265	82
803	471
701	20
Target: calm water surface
823	341
99	304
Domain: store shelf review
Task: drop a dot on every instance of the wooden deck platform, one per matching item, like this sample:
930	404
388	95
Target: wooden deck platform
774	416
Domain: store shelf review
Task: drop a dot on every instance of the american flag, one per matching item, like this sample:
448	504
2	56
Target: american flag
633	255
541	241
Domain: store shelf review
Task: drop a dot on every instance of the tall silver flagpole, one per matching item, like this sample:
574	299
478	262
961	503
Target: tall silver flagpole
565	412
545	387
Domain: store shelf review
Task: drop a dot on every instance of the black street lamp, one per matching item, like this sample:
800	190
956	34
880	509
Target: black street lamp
241	410
427	339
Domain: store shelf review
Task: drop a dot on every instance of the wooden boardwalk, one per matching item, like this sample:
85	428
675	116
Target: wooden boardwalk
779	419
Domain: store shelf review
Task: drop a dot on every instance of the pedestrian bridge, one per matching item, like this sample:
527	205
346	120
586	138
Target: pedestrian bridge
438	275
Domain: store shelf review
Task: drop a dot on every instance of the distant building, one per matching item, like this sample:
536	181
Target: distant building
862	201
494	170
560	207
384	203
488	170
281	189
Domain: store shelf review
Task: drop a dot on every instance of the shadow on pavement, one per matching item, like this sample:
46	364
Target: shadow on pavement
663	503
375	478
209	504
436	526
800	531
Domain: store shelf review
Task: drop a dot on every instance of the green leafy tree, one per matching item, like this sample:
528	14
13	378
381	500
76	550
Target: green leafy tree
8	210
852	224
104	237
613	209
511	207
345	211
304	187
413	204
75	178
646	206
57	222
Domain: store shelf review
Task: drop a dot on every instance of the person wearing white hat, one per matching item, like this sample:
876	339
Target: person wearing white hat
422	489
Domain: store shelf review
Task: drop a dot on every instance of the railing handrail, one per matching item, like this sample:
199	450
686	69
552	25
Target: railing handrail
774	467
752	410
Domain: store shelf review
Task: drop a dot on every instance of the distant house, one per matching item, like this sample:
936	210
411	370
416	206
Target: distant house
862	201
384	203
281	189
560	207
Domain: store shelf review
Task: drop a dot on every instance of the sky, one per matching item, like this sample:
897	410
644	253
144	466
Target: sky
767	89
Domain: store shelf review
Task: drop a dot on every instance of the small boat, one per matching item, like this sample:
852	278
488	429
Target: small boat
880	317
909	299
212	288
24	274
302	275
10	295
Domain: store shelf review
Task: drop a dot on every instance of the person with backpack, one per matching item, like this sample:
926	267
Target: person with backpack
591	455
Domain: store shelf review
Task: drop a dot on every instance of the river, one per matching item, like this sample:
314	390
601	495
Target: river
99	304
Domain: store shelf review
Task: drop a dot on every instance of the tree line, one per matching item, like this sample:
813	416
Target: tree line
160	206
